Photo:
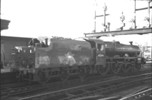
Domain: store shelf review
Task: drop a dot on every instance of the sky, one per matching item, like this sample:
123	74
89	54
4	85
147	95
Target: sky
69	18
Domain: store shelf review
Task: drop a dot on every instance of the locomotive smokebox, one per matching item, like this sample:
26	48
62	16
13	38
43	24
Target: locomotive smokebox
122	49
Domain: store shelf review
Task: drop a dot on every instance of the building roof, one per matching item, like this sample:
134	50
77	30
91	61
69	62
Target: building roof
13	37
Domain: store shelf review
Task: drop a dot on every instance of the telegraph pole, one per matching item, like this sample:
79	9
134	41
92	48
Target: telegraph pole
95	22
135	26
149	7
104	15
105	9
95	17
149	12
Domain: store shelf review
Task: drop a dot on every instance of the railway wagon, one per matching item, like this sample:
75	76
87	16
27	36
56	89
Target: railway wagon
66	57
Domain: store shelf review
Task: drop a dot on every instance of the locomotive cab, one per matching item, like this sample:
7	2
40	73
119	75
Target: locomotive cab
98	51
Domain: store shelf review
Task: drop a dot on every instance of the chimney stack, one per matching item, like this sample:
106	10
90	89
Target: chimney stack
46	41
131	43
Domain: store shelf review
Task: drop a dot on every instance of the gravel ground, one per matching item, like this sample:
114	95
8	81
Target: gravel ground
147	66
132	91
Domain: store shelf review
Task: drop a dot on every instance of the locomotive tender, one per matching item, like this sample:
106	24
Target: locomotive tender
66	57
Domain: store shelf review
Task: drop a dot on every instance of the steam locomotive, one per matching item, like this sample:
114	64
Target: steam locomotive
63	58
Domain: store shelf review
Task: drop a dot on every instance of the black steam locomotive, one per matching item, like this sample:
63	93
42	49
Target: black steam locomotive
64	58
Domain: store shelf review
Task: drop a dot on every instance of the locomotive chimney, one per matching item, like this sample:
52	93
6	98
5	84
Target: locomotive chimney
131	43
46	41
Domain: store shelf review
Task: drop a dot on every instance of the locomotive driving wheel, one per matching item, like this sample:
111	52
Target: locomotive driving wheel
82	73
116	67
64	74
137	67
41	76
103	70
127	67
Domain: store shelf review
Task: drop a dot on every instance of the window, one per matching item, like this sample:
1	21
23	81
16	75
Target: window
100	47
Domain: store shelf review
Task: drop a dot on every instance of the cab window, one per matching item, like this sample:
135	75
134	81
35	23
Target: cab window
100	47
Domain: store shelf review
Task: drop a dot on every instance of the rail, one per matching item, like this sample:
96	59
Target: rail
91	89
138	95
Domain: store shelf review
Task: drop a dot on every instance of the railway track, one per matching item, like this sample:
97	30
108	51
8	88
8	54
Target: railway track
14	85
102	87
18	88
21	87
139	95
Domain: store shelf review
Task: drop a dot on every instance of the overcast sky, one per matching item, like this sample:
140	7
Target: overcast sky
67	18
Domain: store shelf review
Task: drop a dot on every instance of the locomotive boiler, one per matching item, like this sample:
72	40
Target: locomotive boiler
118	49
66	57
